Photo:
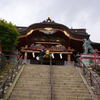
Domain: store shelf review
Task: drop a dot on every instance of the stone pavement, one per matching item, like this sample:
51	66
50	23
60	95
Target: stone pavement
35	84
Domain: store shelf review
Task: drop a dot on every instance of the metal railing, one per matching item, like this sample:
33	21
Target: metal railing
91	78
93	58
10	77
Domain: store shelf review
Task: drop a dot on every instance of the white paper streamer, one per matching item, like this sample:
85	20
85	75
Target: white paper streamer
52	55
33	54
60	55
37	58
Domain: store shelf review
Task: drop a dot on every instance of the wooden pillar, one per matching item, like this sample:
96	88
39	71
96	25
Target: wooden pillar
70	50
25	58
25	55
69	57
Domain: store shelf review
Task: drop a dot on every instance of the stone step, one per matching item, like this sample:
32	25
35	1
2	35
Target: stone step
35	84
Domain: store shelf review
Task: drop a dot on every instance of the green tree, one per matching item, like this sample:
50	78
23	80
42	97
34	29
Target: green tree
8	35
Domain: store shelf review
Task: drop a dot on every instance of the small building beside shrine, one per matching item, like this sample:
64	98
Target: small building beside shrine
62	42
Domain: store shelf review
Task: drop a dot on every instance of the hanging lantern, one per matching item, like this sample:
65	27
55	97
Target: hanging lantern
47	53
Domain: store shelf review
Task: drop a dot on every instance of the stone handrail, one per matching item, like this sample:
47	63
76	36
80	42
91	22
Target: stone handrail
10	77
91	78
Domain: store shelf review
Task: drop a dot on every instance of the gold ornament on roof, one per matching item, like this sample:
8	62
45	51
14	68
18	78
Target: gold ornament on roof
49	19
48	28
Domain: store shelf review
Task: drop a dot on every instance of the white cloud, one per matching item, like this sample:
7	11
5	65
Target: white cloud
72	13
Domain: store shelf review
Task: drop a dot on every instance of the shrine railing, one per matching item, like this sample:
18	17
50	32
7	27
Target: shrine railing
11	53
10	77
91	59
91	78
97	57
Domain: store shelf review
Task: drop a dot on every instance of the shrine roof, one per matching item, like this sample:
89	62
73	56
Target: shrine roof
52	24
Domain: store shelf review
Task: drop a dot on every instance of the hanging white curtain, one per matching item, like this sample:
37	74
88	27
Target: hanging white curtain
60	55
33	54
52	55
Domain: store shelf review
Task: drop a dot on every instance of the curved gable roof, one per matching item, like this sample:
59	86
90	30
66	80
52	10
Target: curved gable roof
78	33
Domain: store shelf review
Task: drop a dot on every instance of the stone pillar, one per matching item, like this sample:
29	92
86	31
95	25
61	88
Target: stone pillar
25	58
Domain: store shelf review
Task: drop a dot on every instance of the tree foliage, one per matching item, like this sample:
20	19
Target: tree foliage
8	35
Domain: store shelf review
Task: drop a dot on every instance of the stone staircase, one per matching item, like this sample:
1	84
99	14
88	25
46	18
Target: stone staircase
44	82
68	84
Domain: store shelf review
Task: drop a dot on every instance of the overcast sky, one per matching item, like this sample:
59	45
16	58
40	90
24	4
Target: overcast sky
72	13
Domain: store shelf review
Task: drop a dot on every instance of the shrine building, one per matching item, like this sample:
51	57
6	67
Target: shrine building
61	42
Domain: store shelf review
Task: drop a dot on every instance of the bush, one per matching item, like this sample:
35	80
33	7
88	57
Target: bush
8	35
